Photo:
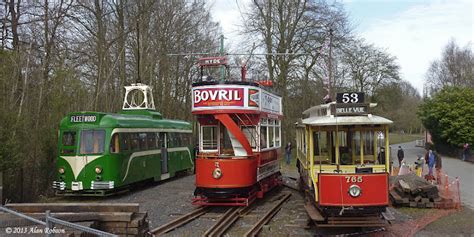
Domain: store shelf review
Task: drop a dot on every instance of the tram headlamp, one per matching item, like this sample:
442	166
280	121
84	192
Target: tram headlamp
61	170
354	190
98	170
217	173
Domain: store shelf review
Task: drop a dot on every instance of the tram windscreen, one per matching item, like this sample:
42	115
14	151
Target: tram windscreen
68	139
92	142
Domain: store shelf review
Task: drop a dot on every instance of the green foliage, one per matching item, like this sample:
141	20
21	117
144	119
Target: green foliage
449	116
399	102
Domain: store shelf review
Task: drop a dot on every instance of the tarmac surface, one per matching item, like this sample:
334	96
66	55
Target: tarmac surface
454	167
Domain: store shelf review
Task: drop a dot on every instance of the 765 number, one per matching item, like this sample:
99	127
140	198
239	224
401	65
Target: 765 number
353	179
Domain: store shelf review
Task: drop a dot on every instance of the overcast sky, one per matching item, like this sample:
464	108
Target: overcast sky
415	31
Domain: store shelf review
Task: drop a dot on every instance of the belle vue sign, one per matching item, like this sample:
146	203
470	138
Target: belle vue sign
350	103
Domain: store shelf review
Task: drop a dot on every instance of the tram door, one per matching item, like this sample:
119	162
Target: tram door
164	153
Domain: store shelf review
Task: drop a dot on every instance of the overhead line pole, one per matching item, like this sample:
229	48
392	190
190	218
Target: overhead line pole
222	54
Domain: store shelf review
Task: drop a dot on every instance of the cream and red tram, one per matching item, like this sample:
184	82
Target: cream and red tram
342	162
239	124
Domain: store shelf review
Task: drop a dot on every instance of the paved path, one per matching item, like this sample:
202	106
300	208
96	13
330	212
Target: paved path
452	166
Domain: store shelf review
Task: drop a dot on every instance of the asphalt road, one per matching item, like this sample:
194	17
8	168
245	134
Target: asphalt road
454	167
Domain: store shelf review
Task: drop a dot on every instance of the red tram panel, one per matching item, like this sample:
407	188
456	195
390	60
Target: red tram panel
333	189
235	173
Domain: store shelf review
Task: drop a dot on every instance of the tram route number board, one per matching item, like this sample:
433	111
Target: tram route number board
350	97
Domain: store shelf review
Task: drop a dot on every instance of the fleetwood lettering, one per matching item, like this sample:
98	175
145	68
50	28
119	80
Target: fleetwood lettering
83	118
218	97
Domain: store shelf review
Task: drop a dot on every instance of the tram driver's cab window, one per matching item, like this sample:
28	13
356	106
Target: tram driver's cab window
92	142
209	138
381	150
368	139
356	147
320	147
345	151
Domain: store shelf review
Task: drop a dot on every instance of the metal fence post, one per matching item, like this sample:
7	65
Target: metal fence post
48	224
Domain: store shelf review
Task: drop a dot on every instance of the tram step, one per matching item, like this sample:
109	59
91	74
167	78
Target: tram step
313	213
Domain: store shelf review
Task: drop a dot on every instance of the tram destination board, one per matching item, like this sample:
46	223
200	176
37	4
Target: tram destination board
350	109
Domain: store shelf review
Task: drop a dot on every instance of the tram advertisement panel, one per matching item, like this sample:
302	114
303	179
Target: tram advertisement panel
211	97
218	97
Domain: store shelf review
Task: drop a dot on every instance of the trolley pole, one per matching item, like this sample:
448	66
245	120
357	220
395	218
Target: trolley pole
222	54
330	66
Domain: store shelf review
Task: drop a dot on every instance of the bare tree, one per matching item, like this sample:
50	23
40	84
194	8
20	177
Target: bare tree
455	68
369	67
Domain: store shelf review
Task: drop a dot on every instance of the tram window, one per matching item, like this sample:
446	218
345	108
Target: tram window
151	140
356	145
114	143
263	137
172	139
209	137
226	147
323	145
342	137
277	136
185	139
320	146
124	141
250	133
381	150
368	137
161	138
92	141
134	141
69	138
270	136
316	142
142	140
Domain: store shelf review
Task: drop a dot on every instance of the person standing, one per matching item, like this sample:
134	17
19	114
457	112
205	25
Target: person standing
381	156
431	162
400	155
465	151
288	153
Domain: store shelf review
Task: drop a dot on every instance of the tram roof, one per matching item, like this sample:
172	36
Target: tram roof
331	120
320	115
125	120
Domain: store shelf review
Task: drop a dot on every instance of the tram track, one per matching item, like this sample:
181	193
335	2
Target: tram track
179	221
225	221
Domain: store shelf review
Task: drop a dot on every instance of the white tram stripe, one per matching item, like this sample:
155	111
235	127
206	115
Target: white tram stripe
77	163
153	152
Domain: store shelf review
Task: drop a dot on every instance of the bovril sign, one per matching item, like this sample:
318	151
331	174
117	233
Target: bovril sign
203	97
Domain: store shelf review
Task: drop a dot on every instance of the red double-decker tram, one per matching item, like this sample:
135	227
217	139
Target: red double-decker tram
239	124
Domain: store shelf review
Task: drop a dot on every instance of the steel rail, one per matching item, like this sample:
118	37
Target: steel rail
226	221
179	221
267	217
